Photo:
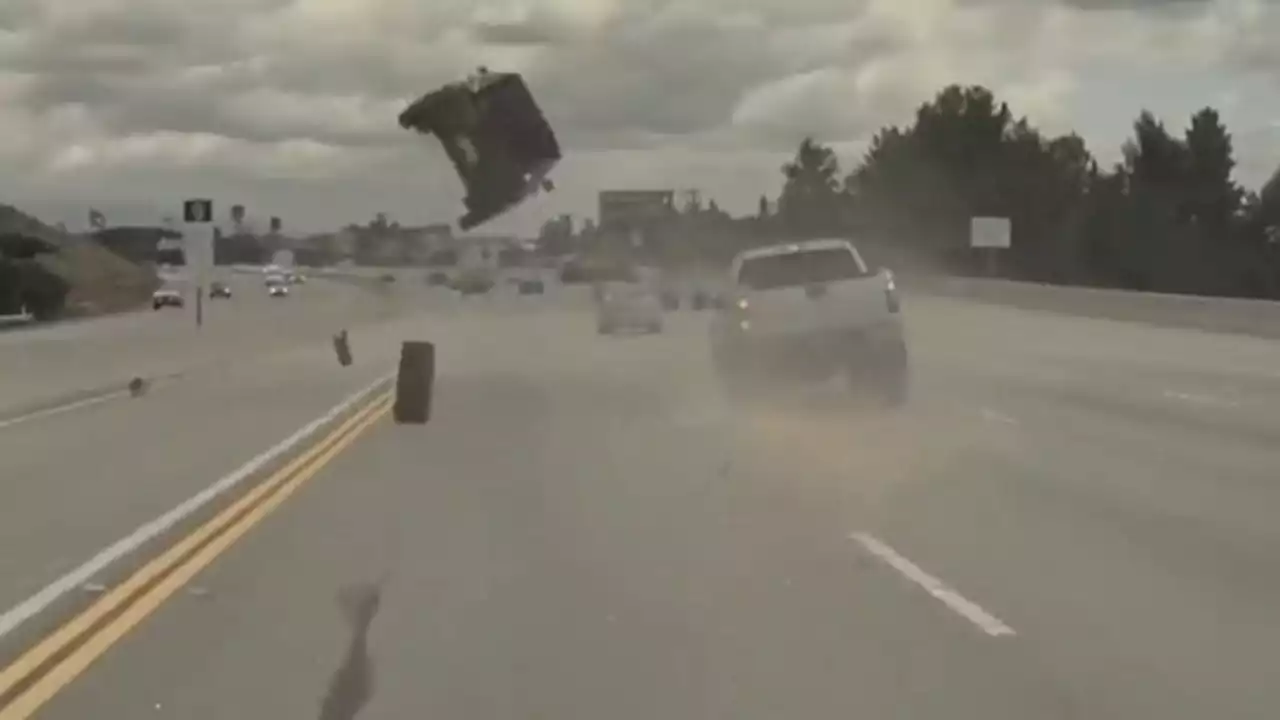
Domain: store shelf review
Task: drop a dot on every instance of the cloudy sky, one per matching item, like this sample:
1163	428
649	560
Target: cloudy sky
289	106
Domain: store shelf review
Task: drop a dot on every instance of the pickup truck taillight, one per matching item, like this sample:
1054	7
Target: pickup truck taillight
891	296
738	308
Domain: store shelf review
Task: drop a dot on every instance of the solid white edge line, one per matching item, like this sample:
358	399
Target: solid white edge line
82	403
956	602
59	409
123	547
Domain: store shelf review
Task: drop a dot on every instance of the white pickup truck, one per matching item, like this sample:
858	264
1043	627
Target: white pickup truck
809	310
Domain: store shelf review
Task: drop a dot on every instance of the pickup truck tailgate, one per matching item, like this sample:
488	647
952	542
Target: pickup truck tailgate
817	308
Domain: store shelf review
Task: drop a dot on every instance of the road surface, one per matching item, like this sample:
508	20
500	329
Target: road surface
1072	518
51	365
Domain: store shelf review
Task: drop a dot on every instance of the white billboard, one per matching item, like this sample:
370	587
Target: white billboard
627	207
990	232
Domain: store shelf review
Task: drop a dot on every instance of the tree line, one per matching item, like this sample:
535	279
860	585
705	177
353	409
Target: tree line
27	284
1168	217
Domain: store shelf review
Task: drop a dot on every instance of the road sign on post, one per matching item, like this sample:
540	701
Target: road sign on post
197	210
991	235
197	246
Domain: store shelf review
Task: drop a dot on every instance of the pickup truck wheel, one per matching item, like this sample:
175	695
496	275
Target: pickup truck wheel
893	380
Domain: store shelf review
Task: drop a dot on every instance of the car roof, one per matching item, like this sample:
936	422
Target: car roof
796	247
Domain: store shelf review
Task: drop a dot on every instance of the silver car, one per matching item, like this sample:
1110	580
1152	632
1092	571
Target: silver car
625	305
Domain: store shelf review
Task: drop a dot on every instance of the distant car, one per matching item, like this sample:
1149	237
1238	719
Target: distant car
387	278
473	284
219	290
166	298
296	279
624	305
605	275
573	273
438	278
531	287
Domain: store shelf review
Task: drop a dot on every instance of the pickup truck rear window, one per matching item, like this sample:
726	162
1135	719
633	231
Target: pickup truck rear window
800	268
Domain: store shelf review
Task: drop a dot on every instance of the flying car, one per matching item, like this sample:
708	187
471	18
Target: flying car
496	136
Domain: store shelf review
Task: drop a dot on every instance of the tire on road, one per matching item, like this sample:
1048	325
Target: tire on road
414	383
342	348
892	376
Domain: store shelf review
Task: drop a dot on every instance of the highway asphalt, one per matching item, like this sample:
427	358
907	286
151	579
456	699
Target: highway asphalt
51	365
1072	518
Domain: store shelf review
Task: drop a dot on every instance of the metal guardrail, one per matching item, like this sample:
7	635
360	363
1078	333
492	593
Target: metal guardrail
1212	314
16	320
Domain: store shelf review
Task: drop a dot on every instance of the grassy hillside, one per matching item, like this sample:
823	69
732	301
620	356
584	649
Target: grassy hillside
100	280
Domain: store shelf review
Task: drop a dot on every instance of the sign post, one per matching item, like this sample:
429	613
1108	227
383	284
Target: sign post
198	246
991	235
630	219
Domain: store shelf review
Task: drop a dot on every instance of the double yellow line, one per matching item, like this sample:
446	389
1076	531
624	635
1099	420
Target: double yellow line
53	663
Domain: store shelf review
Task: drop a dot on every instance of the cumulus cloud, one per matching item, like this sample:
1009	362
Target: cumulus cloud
290	105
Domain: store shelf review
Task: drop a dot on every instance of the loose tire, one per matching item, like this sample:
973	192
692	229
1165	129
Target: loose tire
414	383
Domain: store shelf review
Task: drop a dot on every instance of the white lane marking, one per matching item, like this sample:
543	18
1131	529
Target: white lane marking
958	604
1200	399
83	403
997	417
59	409
121	548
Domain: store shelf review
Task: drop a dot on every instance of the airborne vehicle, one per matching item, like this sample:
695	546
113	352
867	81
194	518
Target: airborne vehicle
496	136
476	281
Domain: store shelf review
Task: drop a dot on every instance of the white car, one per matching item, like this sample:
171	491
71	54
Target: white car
166	297
628	305
810	311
